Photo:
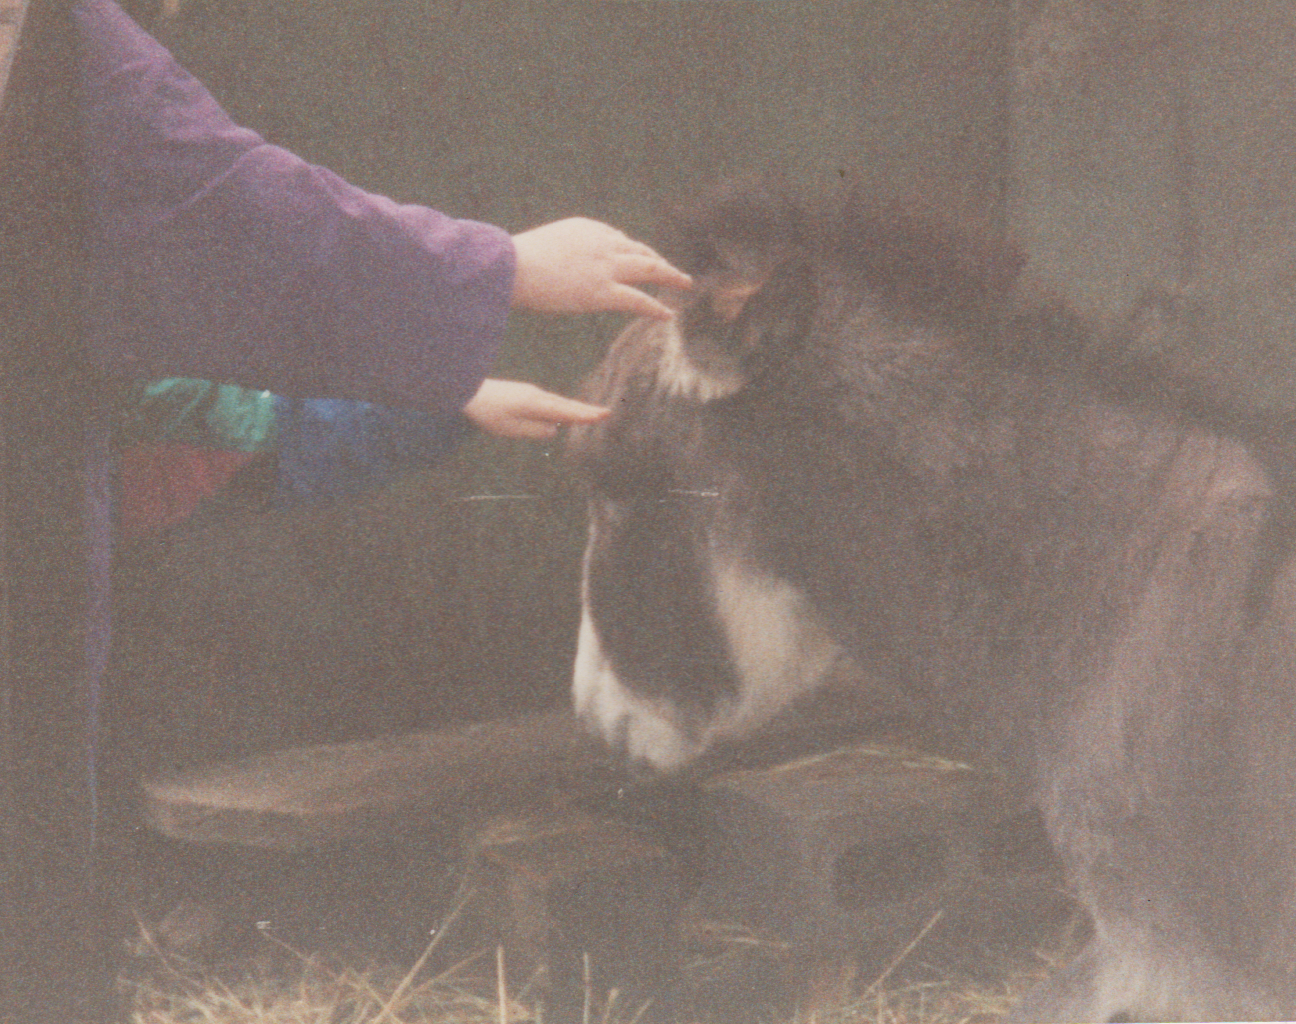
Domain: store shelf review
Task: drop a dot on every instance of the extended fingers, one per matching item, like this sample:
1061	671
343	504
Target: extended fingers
510	408
647	267
580	266
546	407
640	267
631	300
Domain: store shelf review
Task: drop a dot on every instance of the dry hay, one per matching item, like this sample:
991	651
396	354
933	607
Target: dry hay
299	988
181	993
166	988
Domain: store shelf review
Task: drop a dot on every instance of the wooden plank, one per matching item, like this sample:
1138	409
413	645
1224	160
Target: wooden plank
12	15
55	950
332	791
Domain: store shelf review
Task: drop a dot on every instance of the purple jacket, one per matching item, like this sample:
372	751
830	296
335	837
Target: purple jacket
218	255
212	254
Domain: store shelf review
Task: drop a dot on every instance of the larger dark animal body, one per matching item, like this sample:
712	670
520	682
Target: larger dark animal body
859	437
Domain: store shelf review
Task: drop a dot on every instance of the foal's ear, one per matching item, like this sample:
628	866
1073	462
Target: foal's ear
747	316
775	319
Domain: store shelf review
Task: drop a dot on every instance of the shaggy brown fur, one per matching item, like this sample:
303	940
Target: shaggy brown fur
1066	572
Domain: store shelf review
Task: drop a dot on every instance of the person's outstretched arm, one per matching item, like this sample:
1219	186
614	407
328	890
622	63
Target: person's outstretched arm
218	255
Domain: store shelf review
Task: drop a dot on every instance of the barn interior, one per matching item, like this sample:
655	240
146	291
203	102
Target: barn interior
450	597
1127	147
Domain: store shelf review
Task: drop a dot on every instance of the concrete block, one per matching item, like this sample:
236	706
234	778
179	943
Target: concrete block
556	889
861	847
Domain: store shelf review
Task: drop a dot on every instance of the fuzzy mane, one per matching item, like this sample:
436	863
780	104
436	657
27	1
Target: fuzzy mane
928	266
906	253
924	263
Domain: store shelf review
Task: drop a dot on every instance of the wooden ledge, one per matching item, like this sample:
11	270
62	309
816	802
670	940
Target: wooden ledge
314	794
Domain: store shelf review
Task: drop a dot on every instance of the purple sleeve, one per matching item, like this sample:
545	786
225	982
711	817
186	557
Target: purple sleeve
219	255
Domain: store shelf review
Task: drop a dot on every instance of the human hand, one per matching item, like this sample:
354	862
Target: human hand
510	408
585	266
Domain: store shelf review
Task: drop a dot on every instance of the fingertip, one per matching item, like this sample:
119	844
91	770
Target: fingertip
580	413
631	300
656	310
671	277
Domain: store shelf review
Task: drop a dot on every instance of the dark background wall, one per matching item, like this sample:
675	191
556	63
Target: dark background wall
1155	143
1126	145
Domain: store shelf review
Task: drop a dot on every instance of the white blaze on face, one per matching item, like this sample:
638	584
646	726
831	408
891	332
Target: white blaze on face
777	647
778	650
642	729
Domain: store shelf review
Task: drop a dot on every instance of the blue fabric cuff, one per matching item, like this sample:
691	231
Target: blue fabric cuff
331	448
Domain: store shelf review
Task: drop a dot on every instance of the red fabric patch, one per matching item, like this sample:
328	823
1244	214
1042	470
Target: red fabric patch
163	484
